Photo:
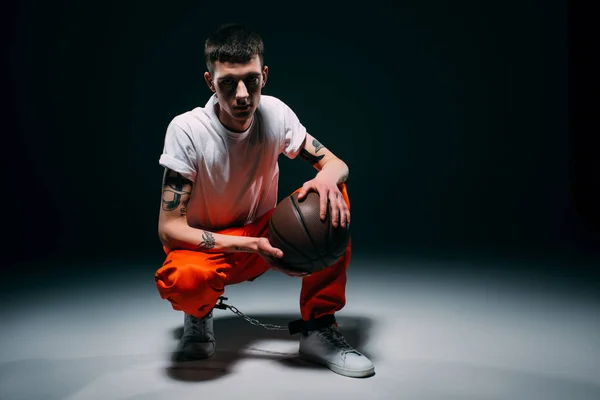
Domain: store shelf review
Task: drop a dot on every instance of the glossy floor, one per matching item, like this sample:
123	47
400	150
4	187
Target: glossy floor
435	330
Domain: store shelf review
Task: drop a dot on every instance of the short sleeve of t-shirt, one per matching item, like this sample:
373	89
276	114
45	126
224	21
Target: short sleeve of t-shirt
179	153
294	133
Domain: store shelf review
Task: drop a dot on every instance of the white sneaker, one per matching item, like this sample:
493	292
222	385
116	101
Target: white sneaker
327	346
198	339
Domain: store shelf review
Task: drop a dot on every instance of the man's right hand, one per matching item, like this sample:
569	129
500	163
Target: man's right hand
272	255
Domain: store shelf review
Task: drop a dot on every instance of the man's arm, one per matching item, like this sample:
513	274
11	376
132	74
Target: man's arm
323	160
174	231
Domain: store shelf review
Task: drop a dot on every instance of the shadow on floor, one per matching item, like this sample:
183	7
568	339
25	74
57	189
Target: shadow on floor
234	337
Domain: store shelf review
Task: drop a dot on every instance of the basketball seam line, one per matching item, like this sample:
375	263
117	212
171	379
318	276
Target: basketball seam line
288	243
306	230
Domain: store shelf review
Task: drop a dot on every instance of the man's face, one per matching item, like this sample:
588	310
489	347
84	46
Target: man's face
238	87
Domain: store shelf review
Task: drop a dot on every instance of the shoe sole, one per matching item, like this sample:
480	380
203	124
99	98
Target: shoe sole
341	371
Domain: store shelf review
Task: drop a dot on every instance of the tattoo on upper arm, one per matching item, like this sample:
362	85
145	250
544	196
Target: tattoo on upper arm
317	144
173	192
183	210
309	157
208	241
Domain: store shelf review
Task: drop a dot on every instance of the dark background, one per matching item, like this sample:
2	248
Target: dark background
453	118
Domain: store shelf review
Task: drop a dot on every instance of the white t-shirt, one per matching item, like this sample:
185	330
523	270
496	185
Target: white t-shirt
235	175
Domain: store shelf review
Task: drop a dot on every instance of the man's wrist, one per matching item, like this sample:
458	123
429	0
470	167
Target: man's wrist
335	171
249	245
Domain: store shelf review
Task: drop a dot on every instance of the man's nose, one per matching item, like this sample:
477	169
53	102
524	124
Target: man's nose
241	91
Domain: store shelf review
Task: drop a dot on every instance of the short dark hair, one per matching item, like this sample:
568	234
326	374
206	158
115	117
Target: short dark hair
232	43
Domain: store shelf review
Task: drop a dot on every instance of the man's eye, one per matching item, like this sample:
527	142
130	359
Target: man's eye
227	82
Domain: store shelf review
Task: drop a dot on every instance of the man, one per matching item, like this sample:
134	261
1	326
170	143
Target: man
219	190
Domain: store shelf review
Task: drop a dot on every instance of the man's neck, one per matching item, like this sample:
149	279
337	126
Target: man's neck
230	123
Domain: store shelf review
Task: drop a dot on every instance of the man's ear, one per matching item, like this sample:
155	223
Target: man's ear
264	74
209	81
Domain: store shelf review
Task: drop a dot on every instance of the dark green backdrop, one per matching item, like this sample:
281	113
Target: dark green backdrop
451	115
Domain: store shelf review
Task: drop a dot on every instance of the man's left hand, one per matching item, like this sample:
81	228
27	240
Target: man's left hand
328	191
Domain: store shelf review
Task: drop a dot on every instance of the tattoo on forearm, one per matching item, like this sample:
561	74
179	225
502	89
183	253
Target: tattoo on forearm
318	146
173	191
244	249
208	241
309	157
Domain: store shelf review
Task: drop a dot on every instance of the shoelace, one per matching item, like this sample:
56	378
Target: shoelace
197	328
333	336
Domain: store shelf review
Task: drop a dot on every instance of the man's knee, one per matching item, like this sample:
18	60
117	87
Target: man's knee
189	281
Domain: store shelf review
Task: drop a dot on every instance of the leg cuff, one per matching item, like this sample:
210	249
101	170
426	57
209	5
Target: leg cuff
305	326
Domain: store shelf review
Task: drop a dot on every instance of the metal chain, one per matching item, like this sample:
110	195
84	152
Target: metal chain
253	321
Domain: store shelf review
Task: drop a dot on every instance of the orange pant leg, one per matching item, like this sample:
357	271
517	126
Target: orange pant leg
193	281
324	292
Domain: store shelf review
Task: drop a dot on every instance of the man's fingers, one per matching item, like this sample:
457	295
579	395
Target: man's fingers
273	251
303	192
335	211
323	197
344	212
274	256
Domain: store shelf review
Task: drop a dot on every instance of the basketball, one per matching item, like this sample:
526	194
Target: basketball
308	243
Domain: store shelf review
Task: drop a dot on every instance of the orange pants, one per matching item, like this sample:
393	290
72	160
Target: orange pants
193	281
